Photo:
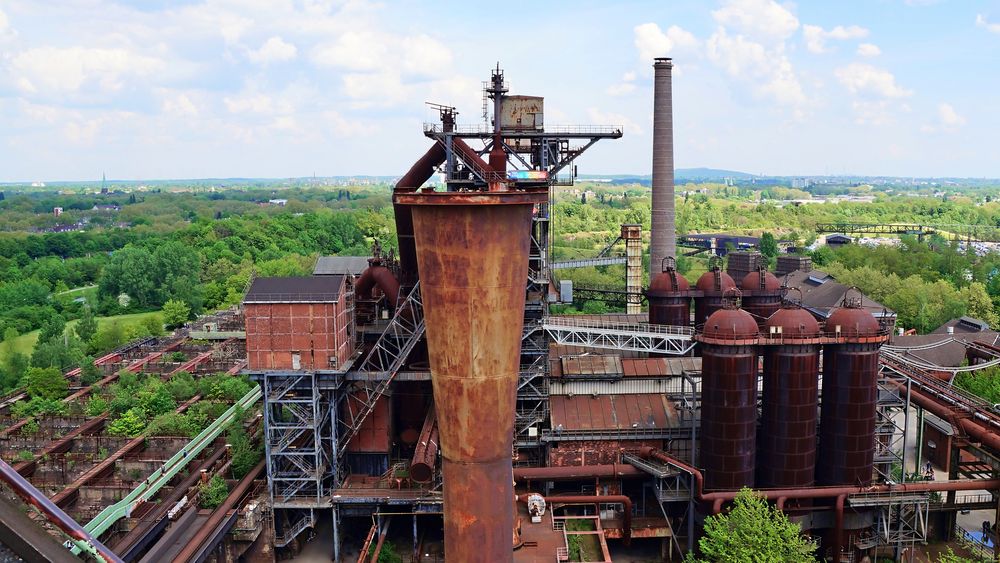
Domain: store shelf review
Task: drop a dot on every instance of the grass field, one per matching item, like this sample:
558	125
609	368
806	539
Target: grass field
26	342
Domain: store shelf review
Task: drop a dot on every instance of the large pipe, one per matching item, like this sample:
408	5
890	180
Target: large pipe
472	253
595	499
577	472
663	238
378	276
425	454
24	489
419	173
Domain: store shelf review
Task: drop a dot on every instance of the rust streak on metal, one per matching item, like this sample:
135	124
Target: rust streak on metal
425	454
472	253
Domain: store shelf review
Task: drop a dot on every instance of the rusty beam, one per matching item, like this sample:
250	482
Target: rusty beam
62	445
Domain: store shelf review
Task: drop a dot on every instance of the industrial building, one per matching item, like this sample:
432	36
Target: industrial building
430	395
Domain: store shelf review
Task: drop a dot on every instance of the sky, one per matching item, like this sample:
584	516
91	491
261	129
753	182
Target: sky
289	88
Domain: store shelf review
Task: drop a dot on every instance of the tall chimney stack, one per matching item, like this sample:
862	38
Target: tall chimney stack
663	235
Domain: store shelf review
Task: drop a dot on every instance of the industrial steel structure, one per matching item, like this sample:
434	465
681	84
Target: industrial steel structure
433	387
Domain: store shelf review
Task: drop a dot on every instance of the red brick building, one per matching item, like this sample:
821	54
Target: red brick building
301	323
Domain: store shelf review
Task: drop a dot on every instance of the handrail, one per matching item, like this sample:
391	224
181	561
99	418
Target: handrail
152	484
572	322
487	129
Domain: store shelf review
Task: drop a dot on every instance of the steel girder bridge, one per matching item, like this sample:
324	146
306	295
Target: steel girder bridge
979	233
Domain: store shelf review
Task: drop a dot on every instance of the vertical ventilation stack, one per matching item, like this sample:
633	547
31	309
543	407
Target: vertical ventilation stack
786	454
711	286
663	237
728	397
669	297
472	252
761	294
847	419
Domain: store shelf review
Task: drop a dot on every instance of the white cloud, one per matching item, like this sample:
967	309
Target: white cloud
179	105
947	120
69	70
759	19
864	79
872	112
274	50
816	37
257	103
373	51
626	86
628	125
868	50
981	21
769	72
652	42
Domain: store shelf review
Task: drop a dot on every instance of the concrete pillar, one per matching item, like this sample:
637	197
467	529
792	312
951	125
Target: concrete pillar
632	235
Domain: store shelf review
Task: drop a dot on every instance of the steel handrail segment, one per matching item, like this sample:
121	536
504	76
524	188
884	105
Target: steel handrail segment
162	476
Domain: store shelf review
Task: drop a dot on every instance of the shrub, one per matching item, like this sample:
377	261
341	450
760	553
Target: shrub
182	386
213	494
130	424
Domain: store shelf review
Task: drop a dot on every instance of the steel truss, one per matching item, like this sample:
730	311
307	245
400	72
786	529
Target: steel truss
389	354
660	339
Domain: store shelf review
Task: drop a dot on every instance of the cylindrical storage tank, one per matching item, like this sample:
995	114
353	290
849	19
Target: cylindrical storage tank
712	284
847	417
728	399
669	297
786	446
761	294
472	254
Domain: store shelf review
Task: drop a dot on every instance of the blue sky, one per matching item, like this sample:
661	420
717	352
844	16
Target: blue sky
277	88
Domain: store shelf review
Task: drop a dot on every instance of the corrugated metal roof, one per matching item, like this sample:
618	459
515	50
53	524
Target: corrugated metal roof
304	289
333	265
612	412
591	365
659	367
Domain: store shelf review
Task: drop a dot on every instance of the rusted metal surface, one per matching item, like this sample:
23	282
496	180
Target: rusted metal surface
472	252
761	294
375	434
592	365
580	454
52	512
728	399
659	367
669	296
663	236
612	412
712	284
847	419
381	277
847	426
419	173
425	453
62	445
786	455
578	472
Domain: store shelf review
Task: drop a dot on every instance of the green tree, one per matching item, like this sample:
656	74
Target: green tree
108	337
45	383
213	493
979	304
52	329
130	424
175	313
86	327
89	373
153	325
752	531
768	247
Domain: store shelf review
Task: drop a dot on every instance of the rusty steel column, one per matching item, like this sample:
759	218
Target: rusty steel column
662	236
472	254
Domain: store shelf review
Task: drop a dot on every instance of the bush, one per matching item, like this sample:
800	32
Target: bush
182	386
213	494
130	424
45	383
25	455
96	406
155	399
172	424
37	405
245	454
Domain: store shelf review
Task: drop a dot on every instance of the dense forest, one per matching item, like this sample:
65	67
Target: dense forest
176	254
